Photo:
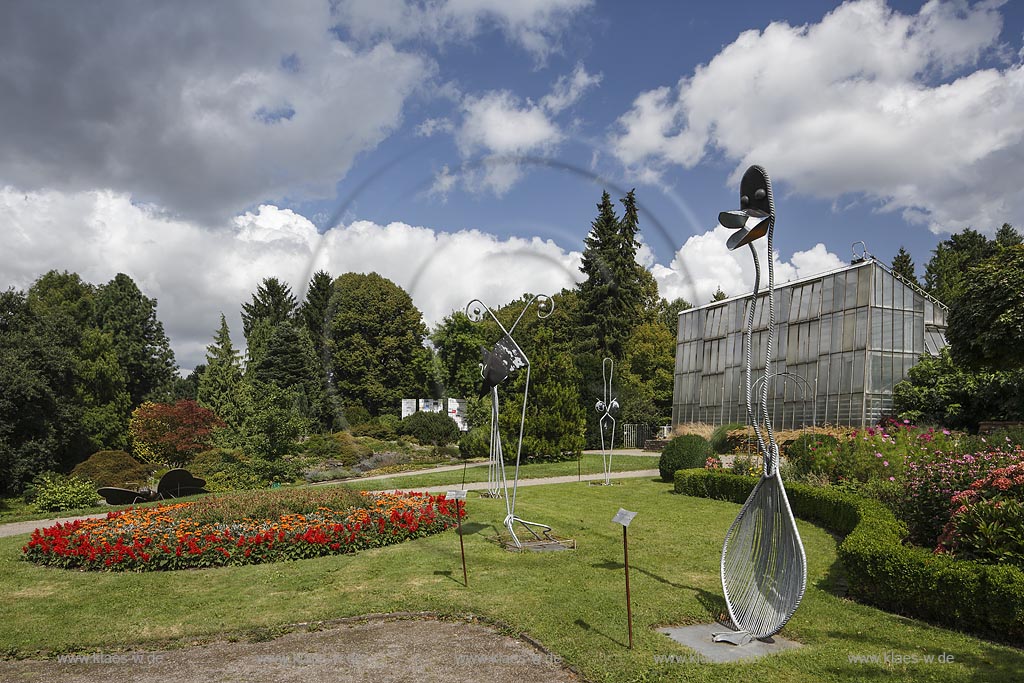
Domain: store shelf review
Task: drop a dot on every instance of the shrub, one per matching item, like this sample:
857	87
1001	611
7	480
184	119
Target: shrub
355	414
226	469
811	452
476	443
384	428
340	447
430	428
112	468
988	523
746	466
713	463
53	492
884	572
933	479
720	441
683	453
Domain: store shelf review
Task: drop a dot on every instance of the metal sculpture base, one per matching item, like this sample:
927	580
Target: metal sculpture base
604	483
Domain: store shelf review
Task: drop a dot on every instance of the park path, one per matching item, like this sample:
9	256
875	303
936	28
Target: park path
27	527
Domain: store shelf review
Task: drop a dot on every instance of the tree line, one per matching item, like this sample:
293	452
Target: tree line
88	367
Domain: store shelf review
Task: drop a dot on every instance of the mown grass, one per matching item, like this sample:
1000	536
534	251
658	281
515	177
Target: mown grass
591	464
573	602
15	510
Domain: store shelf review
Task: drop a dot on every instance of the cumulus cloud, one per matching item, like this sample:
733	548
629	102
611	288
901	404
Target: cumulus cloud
499	127
203	108
535	25
196	273
704	263
569	89
867	101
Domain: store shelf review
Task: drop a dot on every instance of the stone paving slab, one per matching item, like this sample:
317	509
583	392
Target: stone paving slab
698	638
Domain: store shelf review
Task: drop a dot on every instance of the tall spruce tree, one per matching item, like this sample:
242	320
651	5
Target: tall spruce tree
903	265
272	301
1007	236
223	373
617	294
142	348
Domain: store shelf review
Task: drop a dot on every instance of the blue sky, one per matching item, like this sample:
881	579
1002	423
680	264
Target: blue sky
459	146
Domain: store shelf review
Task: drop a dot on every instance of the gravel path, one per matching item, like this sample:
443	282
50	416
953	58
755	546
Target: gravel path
421	650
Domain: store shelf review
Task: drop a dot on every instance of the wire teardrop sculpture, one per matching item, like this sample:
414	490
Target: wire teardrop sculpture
763	567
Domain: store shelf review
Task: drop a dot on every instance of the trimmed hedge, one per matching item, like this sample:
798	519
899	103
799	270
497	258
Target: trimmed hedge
983	599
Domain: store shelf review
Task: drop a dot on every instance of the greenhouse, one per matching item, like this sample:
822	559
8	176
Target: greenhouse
843	339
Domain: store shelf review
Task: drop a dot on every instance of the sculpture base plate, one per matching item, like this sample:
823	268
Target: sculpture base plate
488	494
601	483
698	637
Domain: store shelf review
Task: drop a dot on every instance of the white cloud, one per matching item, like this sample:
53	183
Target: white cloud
569	89
503	127
432	126
867	101
196	273
203	108
704	263
535	25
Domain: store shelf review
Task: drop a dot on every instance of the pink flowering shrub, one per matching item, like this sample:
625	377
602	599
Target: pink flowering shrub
987	523
933	478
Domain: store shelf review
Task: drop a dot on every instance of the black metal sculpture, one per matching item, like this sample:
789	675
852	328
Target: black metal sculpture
175	484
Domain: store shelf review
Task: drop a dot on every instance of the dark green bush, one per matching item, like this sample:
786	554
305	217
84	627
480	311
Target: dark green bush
112	468
720	442
430	428
475	443
384	428
882	571
682	453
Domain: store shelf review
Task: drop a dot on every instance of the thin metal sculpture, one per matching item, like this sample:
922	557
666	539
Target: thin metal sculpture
764	568
606	406
496	366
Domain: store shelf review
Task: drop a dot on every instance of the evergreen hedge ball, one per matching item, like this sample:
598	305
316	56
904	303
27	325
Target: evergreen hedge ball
685	452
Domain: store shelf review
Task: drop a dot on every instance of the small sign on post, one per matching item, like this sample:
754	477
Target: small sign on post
460	502
624	517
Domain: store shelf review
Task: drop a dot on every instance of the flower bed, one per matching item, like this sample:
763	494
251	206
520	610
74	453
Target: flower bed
193	534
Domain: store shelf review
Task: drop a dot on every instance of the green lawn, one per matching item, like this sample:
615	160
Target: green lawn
591	465
14	510
572	602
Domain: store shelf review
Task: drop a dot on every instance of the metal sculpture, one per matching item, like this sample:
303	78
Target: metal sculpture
174	484
496	366
764	568
606	406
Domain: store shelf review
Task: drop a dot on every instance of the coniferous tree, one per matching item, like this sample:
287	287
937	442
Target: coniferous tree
555	417
315	309
944	275
617	294
222	375
273	301
903	265
142	347
719	295
1007	236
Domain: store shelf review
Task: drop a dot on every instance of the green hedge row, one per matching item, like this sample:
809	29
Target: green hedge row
983	599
